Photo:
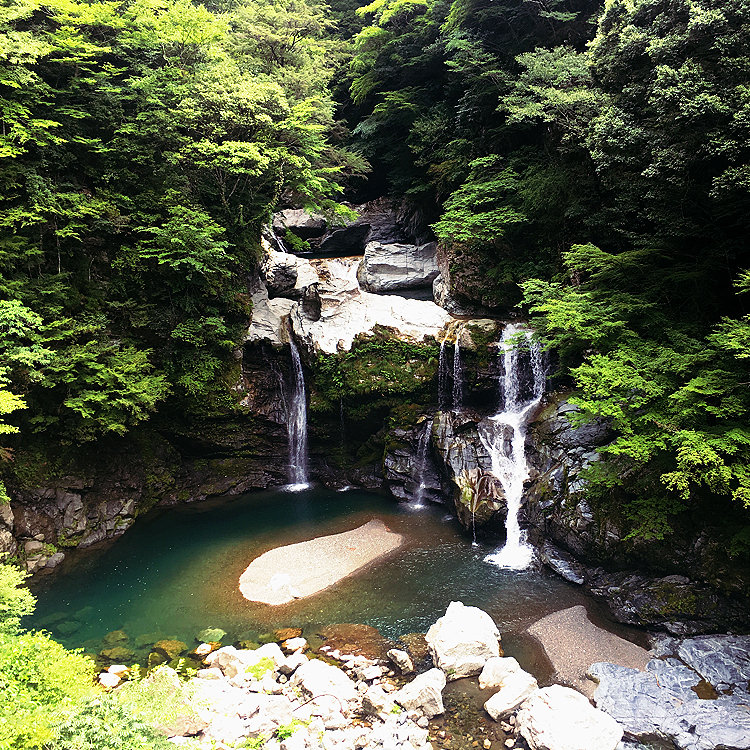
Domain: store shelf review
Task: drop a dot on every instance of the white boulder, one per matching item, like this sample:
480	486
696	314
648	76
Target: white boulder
316	678
515	686
559	718
424	693
463	640
402	660
392	267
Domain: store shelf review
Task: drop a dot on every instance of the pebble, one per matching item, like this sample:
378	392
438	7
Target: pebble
510	743
487	745
423	722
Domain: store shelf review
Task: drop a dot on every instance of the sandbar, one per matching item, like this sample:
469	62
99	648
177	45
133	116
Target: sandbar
296	571
573	643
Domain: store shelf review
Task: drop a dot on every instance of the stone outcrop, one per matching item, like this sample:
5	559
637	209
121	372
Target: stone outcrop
395	267
462	641
664	702
685	583
559	718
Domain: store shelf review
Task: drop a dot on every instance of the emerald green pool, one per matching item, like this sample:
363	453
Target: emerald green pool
176	572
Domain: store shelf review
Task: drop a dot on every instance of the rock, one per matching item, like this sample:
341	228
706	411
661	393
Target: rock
210	635
204	649
463	640
292	662
32	547
108	680
55	559
147	639
424	693
563	564
269	321
115	638
661	702
559	718
377	702
290	645
305	225
722	660
346	240
393	267
318	678
347	312
118	654
212	673
402	660
68	627
285	634
515	685
119	669
170	649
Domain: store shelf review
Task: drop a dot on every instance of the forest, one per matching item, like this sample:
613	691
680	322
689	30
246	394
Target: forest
582	163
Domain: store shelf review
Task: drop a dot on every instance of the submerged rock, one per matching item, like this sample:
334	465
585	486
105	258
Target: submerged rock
559	718
210	635
463	640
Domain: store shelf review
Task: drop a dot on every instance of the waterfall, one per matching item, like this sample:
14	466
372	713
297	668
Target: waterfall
504	436
421	465
458	390
297	424
450	396
444	401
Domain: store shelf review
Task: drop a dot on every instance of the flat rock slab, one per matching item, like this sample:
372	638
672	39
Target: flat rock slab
295	571
573	643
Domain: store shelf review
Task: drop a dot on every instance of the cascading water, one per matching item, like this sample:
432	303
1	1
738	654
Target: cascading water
444	398
458	389
421	465
450	378
297	424
504	437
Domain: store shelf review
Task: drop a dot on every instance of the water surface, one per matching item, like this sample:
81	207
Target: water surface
176	571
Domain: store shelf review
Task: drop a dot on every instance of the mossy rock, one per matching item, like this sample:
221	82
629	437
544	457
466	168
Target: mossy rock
170	649
118	654
115	638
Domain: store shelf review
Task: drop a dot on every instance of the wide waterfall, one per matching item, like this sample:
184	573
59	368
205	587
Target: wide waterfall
297	424
504	436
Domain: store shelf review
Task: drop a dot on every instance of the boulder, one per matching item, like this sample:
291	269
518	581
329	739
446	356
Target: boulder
559	718
424	693
395	267
515	686
210	635
722	660
402	660
169	648
108	680
117	654
317	678
305	225
115	638
377	702
661	702
349	240
463	640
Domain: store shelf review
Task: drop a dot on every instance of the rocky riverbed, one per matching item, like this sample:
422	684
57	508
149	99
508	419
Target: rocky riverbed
360	692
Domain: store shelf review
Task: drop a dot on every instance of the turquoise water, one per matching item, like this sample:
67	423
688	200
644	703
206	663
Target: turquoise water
176	572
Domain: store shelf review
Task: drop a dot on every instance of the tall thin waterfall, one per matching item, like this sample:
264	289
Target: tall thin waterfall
458	386
450	379
504	436
444	398
297	424
421	465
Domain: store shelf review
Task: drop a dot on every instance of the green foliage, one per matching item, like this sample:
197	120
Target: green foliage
39	682
106	723
15	601
256	671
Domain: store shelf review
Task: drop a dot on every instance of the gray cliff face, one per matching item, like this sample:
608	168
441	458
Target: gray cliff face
686	583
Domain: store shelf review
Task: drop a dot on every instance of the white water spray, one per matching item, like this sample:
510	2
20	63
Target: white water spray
421	466
504	436
458	389
297	424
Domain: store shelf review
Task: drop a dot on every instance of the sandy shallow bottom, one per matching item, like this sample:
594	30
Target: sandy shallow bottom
573	643
296	571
